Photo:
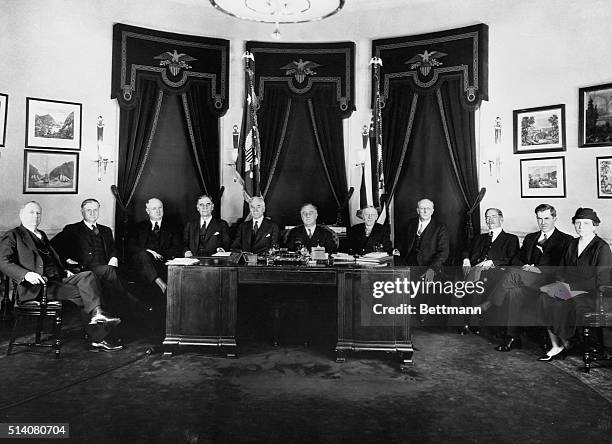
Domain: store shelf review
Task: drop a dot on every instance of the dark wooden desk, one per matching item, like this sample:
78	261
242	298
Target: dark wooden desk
202	305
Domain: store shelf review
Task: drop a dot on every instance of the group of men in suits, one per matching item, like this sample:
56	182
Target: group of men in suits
27	256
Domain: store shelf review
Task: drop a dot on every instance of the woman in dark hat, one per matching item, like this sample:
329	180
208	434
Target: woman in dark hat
585	266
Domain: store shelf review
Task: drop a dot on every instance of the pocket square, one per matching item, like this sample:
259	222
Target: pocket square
216	233
268	235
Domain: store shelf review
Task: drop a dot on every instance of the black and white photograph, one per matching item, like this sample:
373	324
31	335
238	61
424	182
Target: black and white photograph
53	124
543	177
539	129
595	116
604	177
306	221
50	172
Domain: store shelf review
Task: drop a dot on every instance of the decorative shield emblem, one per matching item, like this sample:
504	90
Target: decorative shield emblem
300	69
175	61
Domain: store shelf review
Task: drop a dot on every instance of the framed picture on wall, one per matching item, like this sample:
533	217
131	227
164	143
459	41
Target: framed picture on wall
604	177
3	116
50	172
53	124
539	130
543	177
595	121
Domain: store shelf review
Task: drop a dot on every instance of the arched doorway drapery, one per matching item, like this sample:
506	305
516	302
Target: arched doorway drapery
304	92
431	84
171	90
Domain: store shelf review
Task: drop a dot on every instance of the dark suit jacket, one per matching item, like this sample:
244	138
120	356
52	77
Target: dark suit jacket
552	252
589	270
267	235
217	236
169	238
19	255
358	243
322	236
434	249
74	242
502	250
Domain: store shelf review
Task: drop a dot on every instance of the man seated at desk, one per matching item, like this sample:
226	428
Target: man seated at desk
369	236
206	235
310	234
259	234
153	242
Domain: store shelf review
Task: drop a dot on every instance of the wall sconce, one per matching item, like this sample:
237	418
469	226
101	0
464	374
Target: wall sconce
103	158
495	164
231	156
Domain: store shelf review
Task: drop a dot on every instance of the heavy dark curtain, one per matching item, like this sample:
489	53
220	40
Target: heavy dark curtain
302	153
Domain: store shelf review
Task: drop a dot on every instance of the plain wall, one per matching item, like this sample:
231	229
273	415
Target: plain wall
540	53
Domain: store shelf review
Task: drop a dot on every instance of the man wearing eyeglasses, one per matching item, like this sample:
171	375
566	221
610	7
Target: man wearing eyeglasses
311	234
258	234
90	245
489	251
153	242
206	235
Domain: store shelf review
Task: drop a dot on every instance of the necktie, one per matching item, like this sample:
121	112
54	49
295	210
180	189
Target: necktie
255	228
542	241
203	228
420	230
309	233
95	230
156	227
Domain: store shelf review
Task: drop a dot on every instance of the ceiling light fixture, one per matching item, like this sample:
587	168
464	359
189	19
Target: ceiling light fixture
279	11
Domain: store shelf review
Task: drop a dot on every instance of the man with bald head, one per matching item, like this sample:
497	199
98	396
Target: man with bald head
426	243
258	234
27	257
152	243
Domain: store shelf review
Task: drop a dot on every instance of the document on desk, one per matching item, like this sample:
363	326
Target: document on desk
183	261
222	254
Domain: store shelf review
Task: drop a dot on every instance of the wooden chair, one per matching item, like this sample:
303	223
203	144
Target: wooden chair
39	309
594	348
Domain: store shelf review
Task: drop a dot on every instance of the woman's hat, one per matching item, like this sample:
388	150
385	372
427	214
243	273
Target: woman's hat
586	213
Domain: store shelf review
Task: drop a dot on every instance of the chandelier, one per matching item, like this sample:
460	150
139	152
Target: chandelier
279	11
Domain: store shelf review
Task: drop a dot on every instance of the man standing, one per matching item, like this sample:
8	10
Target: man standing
518	291
152	243
27	257
427	244
310	234
258	234
206	235
369	236
91	246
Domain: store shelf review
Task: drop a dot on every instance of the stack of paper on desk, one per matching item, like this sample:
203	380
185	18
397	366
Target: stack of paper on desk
377	258
343	257
183	261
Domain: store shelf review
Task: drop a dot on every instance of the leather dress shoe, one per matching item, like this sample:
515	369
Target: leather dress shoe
561	355
510	343
105	346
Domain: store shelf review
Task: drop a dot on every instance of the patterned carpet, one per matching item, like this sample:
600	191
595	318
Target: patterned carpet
459	390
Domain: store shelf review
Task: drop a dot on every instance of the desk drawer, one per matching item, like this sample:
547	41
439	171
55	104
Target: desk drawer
289	277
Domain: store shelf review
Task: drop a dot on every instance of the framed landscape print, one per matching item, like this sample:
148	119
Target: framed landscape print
604	177
543	177
53	124
3	116
595	121
50	172
539	130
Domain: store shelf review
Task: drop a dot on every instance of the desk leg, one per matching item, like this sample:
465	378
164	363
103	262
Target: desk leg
340	356
169	350
405	361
